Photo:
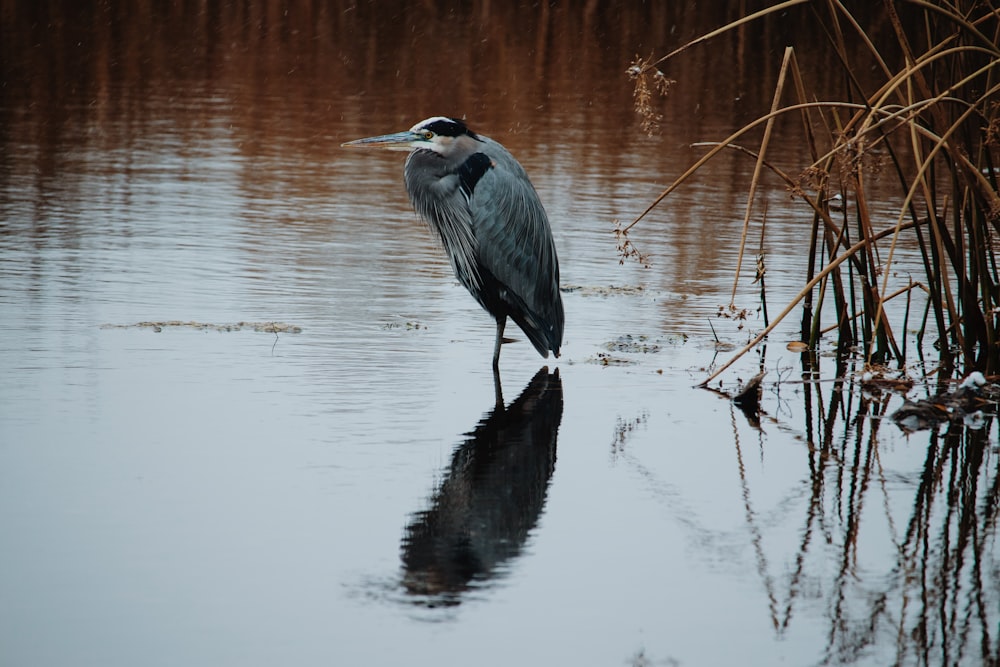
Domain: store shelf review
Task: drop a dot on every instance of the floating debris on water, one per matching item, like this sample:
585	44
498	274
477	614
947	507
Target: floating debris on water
605	359
633	344
874	380
624	429
974	380
966	404
409	325
260	327
603	290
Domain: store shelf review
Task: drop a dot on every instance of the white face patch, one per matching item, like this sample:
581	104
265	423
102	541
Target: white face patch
439	143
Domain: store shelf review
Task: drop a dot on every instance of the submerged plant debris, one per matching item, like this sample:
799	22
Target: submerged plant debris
261	327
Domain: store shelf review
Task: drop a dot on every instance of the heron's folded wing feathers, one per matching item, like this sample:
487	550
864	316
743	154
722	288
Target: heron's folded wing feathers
514	243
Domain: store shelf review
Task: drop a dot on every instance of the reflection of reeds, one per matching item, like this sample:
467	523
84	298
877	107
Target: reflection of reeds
939	600
930	124
890	544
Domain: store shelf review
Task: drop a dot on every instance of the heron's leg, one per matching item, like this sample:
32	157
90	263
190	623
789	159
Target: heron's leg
501	323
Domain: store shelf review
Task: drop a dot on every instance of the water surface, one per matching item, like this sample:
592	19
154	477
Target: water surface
347	490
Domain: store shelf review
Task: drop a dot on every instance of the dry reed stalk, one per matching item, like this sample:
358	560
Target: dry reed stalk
936	117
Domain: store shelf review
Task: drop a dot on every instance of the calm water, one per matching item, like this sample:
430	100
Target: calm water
345	490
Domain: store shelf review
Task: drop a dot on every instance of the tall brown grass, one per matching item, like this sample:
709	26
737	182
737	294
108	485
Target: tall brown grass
931	114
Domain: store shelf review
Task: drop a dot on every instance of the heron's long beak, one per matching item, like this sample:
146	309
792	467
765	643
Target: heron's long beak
400	141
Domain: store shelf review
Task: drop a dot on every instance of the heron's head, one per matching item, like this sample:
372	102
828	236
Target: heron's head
445	136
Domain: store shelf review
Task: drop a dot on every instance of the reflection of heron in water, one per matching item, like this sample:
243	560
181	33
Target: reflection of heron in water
490	499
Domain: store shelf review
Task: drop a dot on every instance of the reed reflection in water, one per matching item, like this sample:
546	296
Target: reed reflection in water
490	498
939	600
898	554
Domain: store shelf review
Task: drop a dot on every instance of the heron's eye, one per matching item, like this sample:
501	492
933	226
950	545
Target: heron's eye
428	135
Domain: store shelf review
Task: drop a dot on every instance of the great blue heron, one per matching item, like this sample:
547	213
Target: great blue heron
478	198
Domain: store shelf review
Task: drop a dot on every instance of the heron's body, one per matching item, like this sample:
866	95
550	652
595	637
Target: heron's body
478	199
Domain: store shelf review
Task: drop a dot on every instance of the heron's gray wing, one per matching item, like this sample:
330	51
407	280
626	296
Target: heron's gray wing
514	244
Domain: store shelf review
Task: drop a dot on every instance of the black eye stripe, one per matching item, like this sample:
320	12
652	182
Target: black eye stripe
446	128
449	128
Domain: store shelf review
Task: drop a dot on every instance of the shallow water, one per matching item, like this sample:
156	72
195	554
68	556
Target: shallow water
346	490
